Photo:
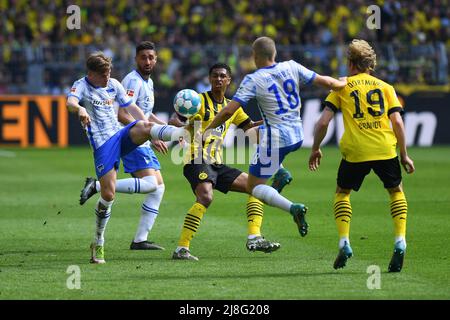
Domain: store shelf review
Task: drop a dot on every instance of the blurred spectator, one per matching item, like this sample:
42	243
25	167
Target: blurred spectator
412	44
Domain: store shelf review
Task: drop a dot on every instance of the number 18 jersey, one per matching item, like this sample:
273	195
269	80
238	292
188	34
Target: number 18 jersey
276	90
366	103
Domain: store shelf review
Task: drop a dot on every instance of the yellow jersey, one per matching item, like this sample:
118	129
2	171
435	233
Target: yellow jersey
366	103
211	151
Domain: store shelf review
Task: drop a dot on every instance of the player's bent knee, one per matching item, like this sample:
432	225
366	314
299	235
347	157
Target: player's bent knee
205	198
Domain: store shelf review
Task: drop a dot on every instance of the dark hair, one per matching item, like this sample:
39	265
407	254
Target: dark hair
220	66
145	45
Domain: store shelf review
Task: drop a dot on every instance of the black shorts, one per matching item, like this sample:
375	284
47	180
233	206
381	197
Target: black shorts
221	176
351	174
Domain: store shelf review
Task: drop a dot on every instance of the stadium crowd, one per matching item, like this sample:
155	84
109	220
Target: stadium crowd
413	42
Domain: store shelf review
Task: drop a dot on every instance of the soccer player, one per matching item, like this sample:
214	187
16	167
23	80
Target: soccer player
275	86
92	97
205	170
142	162
368	106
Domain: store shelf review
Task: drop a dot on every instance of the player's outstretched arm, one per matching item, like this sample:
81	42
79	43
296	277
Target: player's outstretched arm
74	107
224	114
320	130
399	131
330	82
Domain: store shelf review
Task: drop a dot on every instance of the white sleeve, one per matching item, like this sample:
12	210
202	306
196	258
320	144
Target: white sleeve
77	89
131	86
305	75
246	91
122	99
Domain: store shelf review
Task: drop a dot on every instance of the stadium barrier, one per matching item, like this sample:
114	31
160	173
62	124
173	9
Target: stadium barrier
43	121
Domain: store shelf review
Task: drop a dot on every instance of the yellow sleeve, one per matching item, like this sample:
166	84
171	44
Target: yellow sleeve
240	118
333	101
393	103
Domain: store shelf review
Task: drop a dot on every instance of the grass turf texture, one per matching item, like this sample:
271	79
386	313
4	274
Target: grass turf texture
43	231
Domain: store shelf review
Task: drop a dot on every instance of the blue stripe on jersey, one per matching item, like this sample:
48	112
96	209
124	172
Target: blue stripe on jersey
126	104
135	185
269	133
91	137
311	79
242	103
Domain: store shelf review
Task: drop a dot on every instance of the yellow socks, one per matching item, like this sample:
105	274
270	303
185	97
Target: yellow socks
191	224
254	216
342	214
399	208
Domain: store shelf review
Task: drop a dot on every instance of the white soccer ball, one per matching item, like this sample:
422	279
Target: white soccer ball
187	103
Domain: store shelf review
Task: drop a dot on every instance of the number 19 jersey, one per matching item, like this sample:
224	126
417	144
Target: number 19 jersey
276	90
366	103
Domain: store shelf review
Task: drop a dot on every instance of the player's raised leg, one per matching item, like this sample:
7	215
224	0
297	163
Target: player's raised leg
258	188
142	185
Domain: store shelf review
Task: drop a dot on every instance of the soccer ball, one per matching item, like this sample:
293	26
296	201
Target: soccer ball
187	103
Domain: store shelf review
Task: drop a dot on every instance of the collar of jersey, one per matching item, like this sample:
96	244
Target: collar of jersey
270	67
90	83
140	75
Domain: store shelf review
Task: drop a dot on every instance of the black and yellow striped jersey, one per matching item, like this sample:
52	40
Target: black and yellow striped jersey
211	152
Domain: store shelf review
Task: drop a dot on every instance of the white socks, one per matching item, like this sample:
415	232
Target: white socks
343	241
270	196
167	132
103	213
134	185
149	212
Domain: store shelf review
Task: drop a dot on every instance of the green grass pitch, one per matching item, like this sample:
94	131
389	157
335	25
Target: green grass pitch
43	231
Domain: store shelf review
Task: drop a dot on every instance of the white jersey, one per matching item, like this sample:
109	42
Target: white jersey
276	90
141	92
99	104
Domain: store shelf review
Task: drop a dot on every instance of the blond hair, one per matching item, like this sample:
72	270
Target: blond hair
264	47
98	62
362	55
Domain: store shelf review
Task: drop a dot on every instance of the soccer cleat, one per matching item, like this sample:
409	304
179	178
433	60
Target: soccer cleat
281	178
396	263
145	245
97	254
298	211
183	254
261	244
344	254
88	190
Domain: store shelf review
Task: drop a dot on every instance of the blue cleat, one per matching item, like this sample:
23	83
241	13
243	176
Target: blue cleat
396	263
281	178
298	211
344	254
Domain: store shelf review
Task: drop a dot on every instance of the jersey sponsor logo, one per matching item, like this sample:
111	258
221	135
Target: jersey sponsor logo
130	93
203	175
108	102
